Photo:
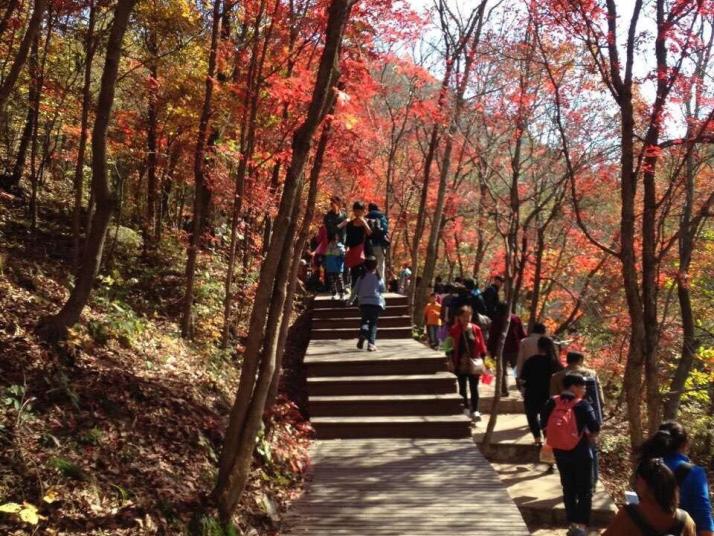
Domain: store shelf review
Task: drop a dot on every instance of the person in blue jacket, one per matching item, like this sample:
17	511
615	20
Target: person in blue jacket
670	443
369	293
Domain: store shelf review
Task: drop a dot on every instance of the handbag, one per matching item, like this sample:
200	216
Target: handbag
468	364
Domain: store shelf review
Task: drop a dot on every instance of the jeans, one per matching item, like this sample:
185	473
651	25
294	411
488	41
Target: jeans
576	478
336	283
378	252
432	332
368	323
473	382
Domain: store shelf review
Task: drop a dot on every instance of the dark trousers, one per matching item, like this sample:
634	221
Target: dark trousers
355	273
508	359
368	323
473	382
432	332
532	414
576	478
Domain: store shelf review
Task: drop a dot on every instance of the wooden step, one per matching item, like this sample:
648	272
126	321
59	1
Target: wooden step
385	405
444	426
386	321
326	301
352	333
349	311
441	383
539	496
373	366
512	441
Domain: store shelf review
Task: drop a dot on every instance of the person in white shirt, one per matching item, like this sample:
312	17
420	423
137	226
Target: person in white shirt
529	345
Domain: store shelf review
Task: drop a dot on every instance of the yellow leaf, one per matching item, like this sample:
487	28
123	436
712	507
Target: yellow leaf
10	508
51	496
29	514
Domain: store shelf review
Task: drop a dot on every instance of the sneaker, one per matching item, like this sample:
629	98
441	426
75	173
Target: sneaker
468	413
371	347
360	343
476	416
334	297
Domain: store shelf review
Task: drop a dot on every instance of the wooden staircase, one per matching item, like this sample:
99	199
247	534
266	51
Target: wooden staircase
401	391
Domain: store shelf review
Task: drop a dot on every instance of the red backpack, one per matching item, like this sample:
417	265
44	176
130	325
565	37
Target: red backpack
562	427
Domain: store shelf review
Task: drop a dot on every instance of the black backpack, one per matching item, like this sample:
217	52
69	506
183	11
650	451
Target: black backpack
379	231
647	530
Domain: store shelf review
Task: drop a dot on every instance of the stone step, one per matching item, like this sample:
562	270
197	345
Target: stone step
348	311
387	321
326	301
385	405
443	426
440	383
373	364
538	494
352	333
511	442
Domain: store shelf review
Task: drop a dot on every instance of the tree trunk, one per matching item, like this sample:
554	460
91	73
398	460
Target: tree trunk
257	373
9	10
151	224
201	194
537	280
56	326
78	182
33	27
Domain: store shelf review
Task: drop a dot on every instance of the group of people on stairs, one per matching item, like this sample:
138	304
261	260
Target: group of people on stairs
563	404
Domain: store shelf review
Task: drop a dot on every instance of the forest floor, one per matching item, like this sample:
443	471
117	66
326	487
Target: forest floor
117	430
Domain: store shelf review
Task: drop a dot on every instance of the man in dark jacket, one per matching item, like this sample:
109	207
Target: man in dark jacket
515	334
491	297
575	466
379	238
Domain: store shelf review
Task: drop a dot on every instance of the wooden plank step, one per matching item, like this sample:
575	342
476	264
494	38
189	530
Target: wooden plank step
387	321
385	405
325	301
371	366
440	383
399	487
512	441
437	426
344	311
539	496
351	333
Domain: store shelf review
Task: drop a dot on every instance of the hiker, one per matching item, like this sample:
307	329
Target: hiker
438	285
475	300
334	218
432	319
405	277
491	297
593	394
466	358
528	347
368	292
535	380
656	513
335	266
357	232
670	443
379	238
451	303
515	334
569	425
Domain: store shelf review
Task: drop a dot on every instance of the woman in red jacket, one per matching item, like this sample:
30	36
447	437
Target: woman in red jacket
468	343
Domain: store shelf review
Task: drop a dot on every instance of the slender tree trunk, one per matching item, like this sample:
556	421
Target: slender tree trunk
537	280
199	172
33	27
151	224
258	367
9	10
78	182
56	326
